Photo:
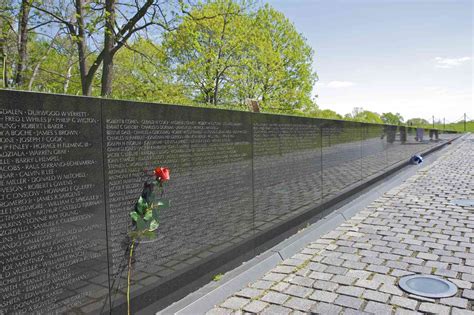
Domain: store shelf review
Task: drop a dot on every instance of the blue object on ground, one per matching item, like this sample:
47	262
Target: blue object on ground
416	159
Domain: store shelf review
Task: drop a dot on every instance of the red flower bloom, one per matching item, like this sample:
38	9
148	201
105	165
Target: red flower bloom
162	174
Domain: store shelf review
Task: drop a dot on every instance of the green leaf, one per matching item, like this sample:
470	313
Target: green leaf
141	205
148	215
149	234
134	215
154	225
156	214
141	224
163	203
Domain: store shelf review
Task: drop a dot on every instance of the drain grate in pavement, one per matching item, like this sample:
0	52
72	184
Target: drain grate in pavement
428	286
463	202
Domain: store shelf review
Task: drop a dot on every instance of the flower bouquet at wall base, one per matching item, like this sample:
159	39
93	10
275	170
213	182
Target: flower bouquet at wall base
145	216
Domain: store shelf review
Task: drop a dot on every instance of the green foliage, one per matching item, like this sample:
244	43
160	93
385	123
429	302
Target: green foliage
142	205
328	114
217	277
313	110
211	53
459	126
134	215
142	72
241	55
204	50
52	66
392	119
417	122
147	210
278	71
361	115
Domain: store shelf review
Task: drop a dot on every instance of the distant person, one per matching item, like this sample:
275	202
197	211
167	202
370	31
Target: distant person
419	134
431	134
403	134
391	133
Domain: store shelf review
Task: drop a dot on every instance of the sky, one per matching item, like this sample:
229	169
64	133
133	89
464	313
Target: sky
414	57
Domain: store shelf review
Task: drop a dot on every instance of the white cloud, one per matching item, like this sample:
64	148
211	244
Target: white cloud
340	84
447	63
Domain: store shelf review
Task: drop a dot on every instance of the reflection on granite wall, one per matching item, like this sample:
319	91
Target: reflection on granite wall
286	166
374	146
73	167
52	224
341	156
209	154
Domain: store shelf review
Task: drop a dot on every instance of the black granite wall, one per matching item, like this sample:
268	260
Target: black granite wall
53	242
71	169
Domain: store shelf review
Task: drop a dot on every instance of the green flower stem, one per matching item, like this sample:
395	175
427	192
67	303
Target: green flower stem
129	274
162	190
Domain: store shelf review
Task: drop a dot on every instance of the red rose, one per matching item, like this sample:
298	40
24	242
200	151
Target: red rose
162	174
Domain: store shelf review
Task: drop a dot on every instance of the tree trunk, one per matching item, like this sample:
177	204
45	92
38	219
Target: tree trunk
35	71
5	72
219	56
22	41
216	90
86	83
109	42
3	53
68	79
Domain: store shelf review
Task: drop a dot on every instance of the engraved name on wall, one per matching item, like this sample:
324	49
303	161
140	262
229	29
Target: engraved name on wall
51	209
210	187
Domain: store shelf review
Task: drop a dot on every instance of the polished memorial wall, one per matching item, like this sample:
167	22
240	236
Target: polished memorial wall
53	242
209	154
73	167
286	167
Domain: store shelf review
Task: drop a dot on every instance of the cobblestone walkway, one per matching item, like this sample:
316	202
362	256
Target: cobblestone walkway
355	268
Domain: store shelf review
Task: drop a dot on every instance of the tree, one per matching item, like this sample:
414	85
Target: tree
392	119
417	122
242	54
25	9
214	51
114	22
54	66
369	117
7	39
359	114
146	76
204	51
328	114
278	69
355	112
314	111
14	39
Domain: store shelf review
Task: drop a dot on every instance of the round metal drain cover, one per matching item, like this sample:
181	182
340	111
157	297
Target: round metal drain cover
428	286
463	202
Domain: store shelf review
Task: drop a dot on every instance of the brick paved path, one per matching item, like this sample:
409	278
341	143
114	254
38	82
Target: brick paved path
355	268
